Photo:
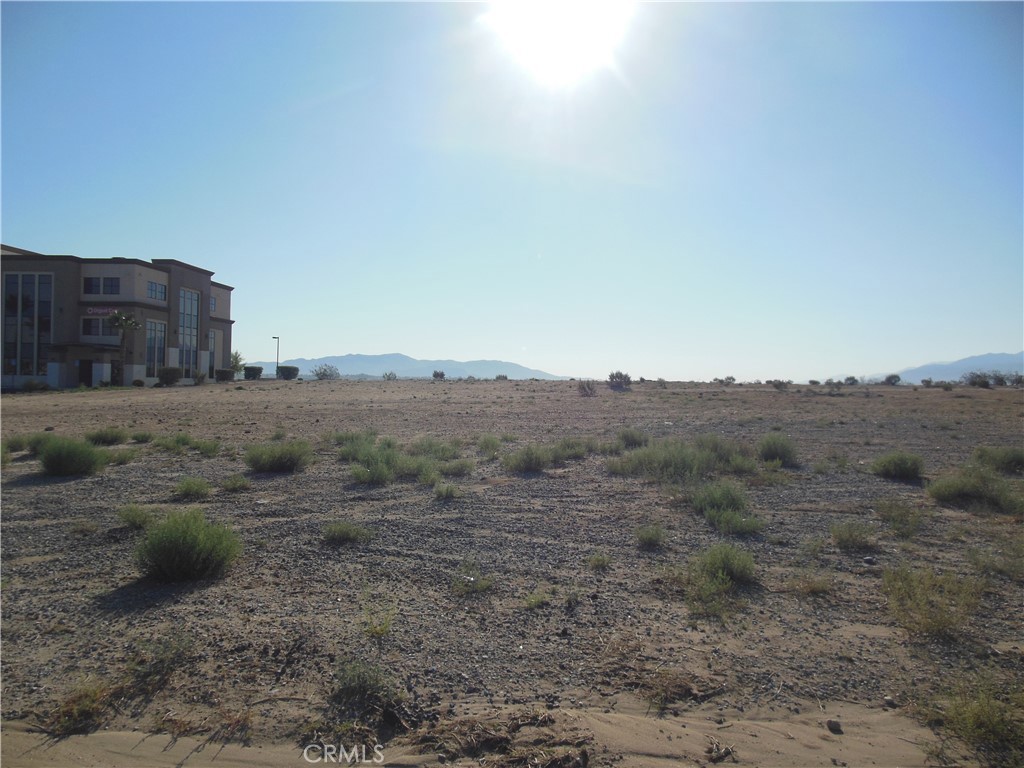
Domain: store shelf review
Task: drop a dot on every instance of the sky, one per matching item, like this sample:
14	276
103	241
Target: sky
761	190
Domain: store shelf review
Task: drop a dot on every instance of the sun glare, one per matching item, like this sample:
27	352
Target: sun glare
559	42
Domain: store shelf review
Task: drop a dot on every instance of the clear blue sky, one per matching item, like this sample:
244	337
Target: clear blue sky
757	190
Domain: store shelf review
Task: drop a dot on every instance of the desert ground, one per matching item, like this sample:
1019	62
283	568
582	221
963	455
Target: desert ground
514	617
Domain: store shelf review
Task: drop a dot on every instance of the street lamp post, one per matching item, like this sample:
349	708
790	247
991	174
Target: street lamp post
277	369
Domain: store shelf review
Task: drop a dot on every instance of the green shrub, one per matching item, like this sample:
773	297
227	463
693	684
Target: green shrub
599	561
1006	558
364	694
236	483
5	455
107	436
38	441
121	456
168	376
352	446
135	516
470	580
712	576
989	722
208	448
287	372
185	547
930	604
1008	460
445	492
586	388
674	461
631	438
736	563
650	537
434	448
252	372
975	488
142	437
279	457
489	447
345	532
176	444
17	443
537	599
326	372
192	489
776	447
532	458
222	375
851	536
899	465
619	380
65	457
904	519
724	504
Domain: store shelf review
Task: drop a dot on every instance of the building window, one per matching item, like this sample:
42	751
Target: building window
156	291
110	286
28	323
213	356
188	332
156	346
213	304
98	326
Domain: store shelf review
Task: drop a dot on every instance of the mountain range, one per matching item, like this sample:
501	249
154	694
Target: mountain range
994	361
405	367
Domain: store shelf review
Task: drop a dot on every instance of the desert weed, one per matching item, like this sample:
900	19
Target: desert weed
279	457
185	547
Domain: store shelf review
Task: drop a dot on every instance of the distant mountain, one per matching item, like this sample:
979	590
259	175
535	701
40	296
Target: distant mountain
1001	362
405	367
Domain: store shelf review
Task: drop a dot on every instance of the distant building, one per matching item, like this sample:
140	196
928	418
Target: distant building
57	309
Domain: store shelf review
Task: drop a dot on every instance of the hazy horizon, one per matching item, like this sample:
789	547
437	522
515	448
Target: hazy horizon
756	190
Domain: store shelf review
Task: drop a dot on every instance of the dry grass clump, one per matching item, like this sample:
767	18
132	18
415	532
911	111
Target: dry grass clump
345	532
988	720
107	436
903	519
185	547
851	536
899	465
279	457
930	604
724	505
776	447
65	457
979	490
192	489
470	580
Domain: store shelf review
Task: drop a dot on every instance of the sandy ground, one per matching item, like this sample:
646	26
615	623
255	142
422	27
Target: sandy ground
565	683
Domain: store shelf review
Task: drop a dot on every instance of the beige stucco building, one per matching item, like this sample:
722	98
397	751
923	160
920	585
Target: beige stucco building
57	309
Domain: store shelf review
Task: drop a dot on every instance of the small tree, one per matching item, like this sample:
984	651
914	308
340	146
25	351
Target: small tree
892	379
850	381
124	324
438	375
619	380
326	371
237	362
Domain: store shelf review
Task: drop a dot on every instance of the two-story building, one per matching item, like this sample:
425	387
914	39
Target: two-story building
57	319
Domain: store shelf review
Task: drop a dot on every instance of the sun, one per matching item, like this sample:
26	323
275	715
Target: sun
560	42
